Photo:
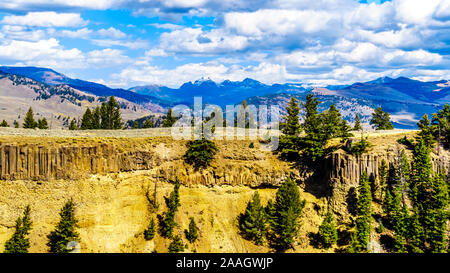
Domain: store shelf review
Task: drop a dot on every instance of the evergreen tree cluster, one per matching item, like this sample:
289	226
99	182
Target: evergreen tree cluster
421	226
441	126
107	116
318	129
31	123
170	119
58	240
437	130
278	222
167	219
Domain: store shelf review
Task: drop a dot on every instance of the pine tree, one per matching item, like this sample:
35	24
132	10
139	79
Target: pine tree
289	142
136	125
96	118
331	121
344	131
73	125
399	220
18	243
288	207
200	153
29	121
4	124
148	123
291	124
420	172
416	233
176	245
327	231
387	202
149	233
357	125
312	125
430	200
116	119
110	115
382	177
437	215
64	232
426	131
192	233
364	213
381	120
42	124
253	222
441	125
86	120
170	120
16	124
312	122
271	213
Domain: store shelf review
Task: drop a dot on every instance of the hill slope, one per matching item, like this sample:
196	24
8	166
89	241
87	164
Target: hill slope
59	104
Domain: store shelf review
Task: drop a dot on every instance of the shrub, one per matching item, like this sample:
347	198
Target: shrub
4	124
406	141
359	147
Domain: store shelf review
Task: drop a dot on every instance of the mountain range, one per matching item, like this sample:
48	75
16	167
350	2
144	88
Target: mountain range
406	99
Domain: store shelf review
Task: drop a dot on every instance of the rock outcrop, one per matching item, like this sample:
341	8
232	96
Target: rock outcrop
162	158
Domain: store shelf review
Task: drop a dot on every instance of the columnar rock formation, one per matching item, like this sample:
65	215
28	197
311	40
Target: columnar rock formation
163	160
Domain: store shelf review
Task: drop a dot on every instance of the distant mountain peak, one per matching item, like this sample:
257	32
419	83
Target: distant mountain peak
204	80
380	80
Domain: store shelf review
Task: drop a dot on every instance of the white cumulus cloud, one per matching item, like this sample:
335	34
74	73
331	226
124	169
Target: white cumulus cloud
45	19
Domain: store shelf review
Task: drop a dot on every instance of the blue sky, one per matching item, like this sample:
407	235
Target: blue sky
124	43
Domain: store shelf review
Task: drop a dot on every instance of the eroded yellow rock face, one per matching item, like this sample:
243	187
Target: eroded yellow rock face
108	179
113	212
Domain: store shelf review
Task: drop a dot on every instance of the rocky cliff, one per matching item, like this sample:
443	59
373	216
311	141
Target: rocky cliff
109	177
